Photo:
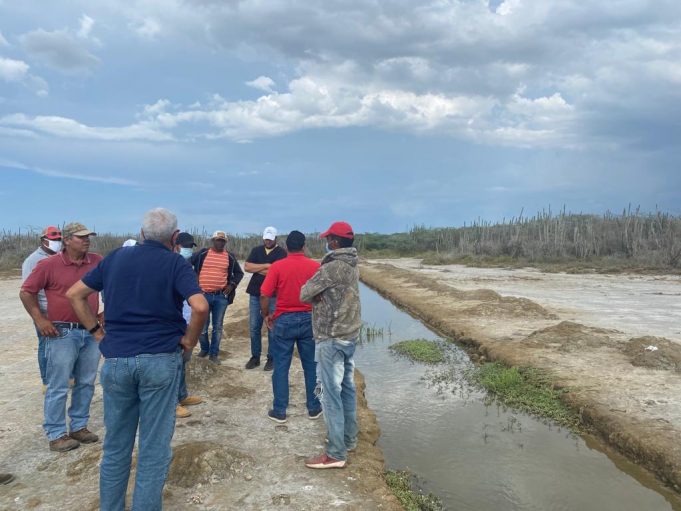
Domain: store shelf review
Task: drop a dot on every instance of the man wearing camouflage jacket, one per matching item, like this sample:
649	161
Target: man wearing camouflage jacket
336	319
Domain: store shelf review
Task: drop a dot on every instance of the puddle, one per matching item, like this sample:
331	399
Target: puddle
478	457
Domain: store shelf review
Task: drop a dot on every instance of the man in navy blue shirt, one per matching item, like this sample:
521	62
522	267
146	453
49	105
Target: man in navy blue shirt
143	287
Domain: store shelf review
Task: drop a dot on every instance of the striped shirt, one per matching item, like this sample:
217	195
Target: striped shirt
213	276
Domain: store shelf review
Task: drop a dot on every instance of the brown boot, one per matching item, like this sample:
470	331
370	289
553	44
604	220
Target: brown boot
191	400
63	444
181	412
84	436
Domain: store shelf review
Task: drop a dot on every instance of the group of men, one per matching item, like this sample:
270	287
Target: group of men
161	298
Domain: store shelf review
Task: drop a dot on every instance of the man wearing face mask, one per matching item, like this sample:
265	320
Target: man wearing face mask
184	245
50	244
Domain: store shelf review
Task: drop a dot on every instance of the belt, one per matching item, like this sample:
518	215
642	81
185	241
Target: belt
67	324
218	292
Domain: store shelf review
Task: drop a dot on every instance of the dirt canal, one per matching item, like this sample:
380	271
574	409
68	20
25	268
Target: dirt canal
481	457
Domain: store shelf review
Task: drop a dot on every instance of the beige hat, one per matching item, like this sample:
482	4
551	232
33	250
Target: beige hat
76	229
219	235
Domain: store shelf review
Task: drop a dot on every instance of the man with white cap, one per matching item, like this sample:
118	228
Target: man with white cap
50	244
219	274
258	263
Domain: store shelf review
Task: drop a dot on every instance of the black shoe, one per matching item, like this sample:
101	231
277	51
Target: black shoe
268	364
253	362
276	417
202	354
214	359
315	414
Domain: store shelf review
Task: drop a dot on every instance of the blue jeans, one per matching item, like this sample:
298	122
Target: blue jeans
138	391
336	368
74	352
293	329
256	321
217	306
42	356
182	391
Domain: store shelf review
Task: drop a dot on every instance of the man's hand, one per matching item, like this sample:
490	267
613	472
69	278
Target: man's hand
100	318
269	322
46	328
187	344
99	334
228	289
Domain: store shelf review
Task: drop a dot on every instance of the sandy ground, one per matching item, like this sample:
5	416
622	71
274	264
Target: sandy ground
589	331
227	455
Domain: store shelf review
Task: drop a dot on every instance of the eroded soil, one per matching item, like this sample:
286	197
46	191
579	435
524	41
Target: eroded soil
227	455
628	394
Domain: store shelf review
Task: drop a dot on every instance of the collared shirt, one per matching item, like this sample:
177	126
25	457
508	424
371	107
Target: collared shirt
27	267
56	275
285	278
260	255
213	276
143	287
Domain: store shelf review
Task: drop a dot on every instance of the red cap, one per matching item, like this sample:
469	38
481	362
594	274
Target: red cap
51	233
342	229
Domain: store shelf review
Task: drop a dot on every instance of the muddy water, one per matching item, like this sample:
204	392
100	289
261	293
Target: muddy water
480	457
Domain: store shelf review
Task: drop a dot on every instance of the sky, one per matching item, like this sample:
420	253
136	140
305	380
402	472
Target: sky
386	114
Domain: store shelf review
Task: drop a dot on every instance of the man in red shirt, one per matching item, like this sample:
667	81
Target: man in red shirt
291	325
71	348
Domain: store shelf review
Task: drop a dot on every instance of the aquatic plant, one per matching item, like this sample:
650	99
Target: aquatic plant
404	487
420	350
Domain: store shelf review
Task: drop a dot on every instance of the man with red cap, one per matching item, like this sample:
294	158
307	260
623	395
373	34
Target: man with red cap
50	244
333	292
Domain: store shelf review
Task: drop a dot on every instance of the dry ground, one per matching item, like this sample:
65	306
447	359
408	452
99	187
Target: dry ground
227	455
629	395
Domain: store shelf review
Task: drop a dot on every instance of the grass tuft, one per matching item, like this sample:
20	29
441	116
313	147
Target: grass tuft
401	483
420	350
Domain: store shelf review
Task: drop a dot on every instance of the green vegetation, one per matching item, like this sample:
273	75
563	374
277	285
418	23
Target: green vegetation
402	485
525	389
368	333
420	350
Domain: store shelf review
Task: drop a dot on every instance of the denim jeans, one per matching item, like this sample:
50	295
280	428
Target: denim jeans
256	321
74	352
293	329
336	368
42	356
217	305
138	391
182	391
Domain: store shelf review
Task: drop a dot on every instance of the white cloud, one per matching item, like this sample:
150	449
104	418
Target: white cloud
67	175
13	70
86	24
148	28
263	83
3	41
59	49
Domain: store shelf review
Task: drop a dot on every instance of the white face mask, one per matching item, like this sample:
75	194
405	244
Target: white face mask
186	252
54	246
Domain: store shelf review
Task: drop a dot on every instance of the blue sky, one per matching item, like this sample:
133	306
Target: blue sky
238	115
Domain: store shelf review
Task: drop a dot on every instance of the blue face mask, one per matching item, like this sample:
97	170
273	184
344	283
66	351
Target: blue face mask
328	249
186	252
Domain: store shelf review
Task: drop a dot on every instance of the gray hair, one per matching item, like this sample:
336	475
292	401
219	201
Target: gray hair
159	224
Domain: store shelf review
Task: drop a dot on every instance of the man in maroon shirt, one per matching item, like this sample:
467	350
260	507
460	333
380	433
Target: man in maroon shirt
291	325
70	348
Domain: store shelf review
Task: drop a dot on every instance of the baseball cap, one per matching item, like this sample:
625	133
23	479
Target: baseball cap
51	233
130	243
342	229
219	235
270	233
185	240
77	229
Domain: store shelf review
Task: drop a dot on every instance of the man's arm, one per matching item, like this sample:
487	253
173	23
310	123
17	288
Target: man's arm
77	295
257	268
317	284
199	307
265	310
237	274
44	325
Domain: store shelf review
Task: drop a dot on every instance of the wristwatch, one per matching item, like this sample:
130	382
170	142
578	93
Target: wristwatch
95	328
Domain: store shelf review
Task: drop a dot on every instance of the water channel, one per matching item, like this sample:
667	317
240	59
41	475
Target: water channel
476	456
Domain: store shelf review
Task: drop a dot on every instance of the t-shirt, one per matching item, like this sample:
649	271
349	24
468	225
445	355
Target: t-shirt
260	256
56	275
213	276
27	267
285	278
144	287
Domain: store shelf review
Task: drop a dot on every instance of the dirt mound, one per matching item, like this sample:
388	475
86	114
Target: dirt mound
203	462
87	462
667	356
214	379
484	295
238	329
510	307
568	336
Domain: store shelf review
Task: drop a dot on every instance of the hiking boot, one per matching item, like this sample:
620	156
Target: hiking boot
324	461
202	354
253	362
191	401
181	412
64	443
276	417
315	414
268	364
84	436
6	478
214	359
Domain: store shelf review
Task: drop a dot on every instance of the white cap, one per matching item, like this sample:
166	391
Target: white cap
219	235
270	233
130	243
